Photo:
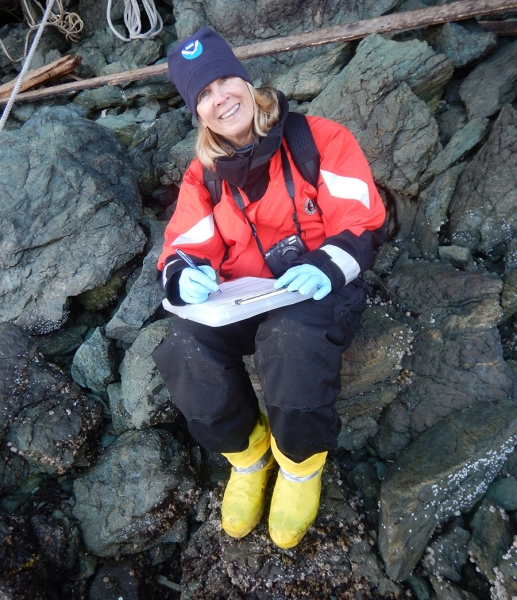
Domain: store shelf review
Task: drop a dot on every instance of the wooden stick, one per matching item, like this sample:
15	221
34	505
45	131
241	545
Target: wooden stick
433	15
59	67
508	27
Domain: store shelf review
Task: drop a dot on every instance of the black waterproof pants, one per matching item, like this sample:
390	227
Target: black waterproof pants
297	351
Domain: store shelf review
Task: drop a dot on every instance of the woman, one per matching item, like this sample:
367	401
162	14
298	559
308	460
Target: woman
297	349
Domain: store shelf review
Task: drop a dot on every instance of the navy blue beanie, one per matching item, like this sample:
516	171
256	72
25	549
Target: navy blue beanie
200	59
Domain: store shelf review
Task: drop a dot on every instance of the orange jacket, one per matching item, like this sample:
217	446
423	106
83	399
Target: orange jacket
349	226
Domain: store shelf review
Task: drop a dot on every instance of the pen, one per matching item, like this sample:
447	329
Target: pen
190	263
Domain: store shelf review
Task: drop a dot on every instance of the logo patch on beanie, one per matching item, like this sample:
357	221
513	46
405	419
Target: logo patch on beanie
192	50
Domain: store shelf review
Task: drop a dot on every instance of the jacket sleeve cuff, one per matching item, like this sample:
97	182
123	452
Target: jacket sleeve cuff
322	260
171	276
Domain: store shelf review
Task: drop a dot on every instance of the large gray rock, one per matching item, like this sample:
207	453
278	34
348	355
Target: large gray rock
505	575
463	44
491	84
447	554
142	302
141	399
445	471
136	495
95	363
369	375
492	535
433	206
152	151
380	97
459	145
45	421
476	223
71	224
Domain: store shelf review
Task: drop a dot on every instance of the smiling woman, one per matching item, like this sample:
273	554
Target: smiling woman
226	107
331	228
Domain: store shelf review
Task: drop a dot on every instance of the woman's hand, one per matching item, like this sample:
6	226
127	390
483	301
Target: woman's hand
305	278
196	286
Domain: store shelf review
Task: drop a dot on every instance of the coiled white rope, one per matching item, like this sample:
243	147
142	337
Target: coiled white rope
26	64
132	20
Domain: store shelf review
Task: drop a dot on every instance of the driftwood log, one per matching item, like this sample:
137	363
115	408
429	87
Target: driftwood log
508	27
55	69
405	21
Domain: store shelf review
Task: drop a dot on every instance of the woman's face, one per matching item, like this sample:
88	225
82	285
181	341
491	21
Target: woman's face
226	107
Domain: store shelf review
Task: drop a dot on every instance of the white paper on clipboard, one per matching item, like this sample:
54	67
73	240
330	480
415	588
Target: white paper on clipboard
222	309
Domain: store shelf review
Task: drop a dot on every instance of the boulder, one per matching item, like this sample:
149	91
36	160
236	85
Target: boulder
458	147
475	223
464	43
445	471
72	223
151	153
505	574
492	535
433	206
141	399
143	299
95	363
446	555
136	495
45	421
492	84
381	97
368	375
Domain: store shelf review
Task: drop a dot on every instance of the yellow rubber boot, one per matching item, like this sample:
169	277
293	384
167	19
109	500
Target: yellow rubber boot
244	497
296	497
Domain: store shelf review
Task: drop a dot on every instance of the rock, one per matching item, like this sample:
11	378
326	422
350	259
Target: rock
141	303
58	344
431	214
460	144
505	575
370	366
142	398
378	97
491	84
44	420
476	224
124	126
136	495
93	12
503	493
95	363
458	256
450	121
492	535
331	560
178	159
121	580
446	591
305	81
79	218
509	294
446	555
58	540
445	471
152	151
464	43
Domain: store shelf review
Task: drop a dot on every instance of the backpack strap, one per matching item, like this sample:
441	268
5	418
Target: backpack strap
300	142
303	149
213	183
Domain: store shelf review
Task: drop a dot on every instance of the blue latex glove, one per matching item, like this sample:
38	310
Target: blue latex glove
195	286
305	278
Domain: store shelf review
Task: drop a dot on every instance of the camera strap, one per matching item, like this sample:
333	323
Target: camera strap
289	184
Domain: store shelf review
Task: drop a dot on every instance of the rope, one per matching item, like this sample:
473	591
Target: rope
132	20
68	23
26	64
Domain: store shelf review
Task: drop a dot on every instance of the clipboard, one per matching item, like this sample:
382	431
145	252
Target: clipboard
240	299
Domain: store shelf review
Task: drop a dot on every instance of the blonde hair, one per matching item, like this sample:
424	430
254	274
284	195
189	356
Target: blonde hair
266	111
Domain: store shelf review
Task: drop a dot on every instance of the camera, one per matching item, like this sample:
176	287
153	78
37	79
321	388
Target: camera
282	254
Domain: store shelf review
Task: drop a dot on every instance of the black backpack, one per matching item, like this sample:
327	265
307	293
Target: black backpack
303	149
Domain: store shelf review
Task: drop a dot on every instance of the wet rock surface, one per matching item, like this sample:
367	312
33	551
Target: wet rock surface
103	492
